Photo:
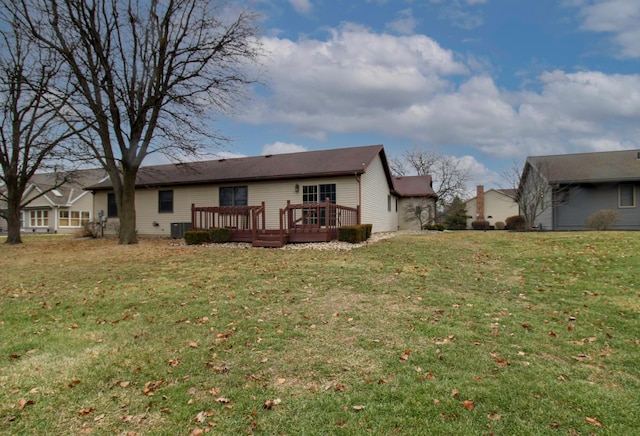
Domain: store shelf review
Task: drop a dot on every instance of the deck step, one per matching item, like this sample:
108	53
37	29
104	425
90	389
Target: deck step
267	244
271	240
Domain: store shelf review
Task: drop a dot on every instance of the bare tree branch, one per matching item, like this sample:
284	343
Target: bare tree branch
449	179
31	129
149	74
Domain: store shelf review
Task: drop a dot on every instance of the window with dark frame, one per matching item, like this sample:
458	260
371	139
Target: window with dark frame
165	201
318	194
112	207
626	196
234	196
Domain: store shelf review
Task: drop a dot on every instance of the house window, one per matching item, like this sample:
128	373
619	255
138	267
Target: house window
389	203
39	218
165	201
318	194
234	196
74	218
112	207
310	194
626	196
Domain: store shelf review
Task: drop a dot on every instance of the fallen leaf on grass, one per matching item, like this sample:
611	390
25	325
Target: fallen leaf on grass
494	417
358	408
581	357
405	355
468	404
22	402
271	403
202	416
223	400
593	421
99	417
84	412
149	387
193	344
455	393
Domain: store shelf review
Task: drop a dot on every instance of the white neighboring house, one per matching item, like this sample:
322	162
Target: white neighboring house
65	209
494	205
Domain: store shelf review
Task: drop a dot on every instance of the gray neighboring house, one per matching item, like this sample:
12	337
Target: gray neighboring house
581	184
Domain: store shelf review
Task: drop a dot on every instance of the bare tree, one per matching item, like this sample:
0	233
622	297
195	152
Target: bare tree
30	128
449	179
534	193
148	74
421	211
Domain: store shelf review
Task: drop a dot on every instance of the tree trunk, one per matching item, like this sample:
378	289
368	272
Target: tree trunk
127	212
13	222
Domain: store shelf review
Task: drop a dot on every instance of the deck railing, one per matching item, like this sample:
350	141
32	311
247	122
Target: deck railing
233	217
313	217
306	222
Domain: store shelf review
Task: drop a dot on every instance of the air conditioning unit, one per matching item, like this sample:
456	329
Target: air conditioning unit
178	230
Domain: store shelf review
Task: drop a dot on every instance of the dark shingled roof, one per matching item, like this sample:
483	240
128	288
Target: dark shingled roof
71	189
508	192
589	167
323	163
413	186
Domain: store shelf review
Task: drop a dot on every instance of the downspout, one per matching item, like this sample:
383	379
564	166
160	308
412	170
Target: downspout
358	179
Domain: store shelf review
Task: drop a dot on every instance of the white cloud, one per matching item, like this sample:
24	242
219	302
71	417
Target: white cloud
404	24
301	6
466	16
621	18
281	148
411	88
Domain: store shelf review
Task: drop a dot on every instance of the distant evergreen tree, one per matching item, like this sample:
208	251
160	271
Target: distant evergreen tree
455	215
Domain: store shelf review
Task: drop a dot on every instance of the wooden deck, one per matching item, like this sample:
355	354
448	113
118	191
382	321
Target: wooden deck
298	223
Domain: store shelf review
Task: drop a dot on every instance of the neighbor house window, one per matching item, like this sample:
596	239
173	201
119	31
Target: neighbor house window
626	196
234	196
74	218
389	203
39	218
112	207
165	201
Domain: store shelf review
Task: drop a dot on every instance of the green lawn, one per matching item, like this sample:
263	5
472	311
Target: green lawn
465	333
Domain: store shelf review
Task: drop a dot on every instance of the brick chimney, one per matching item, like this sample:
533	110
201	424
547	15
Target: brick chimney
480	203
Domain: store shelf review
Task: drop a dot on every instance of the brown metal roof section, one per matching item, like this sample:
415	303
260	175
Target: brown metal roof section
589	167
413	186
322	163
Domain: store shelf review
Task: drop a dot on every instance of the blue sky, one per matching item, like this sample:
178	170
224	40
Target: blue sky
488	82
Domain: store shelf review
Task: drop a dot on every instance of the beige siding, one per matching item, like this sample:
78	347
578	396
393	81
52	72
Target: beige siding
274	193
405	217
496	205
82	204
375	199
